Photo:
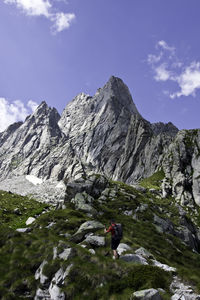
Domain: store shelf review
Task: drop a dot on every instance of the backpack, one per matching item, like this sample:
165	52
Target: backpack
118	231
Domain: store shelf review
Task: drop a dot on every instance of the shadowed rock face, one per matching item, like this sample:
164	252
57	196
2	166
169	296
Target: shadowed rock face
102	134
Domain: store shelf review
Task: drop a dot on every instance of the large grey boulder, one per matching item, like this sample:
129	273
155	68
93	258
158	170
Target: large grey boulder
149	294
123	248
93	240
89	226
143	252
83	201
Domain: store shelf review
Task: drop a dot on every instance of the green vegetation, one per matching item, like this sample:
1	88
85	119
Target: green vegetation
154	181
92	276
15	209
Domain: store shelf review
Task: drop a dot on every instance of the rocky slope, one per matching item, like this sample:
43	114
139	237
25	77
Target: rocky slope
48	253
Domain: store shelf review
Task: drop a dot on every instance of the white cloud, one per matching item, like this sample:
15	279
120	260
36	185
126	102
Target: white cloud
188	80
44	8
161	73
152	59
165	46
32	105
32	7
167	67
13	112
62	21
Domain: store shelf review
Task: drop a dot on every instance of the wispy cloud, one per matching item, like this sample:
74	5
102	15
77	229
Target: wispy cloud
60	20
162	44
161	73
11	112
167	67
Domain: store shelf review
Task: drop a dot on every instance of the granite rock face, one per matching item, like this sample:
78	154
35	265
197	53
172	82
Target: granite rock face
102	134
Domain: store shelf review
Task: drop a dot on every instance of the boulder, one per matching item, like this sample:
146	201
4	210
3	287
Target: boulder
149	294
134	258
60	275
89	226
30	220
95	240
55	292
23	230
67	253
123	248
182	291
42	294
163	266
39	273
143	252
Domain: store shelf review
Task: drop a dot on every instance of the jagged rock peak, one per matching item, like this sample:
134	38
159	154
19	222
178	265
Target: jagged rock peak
44	109
116	90
168	128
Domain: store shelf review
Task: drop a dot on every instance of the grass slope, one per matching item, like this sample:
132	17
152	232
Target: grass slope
92	276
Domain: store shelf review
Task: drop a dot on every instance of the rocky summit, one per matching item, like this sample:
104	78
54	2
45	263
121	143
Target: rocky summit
99	160
103	134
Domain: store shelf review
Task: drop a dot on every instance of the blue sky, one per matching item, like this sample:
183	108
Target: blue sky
54	49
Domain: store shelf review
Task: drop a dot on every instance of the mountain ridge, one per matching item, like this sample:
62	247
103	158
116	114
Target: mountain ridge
101	134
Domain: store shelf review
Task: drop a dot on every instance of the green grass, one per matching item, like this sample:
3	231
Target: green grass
26	208
154	181
92	276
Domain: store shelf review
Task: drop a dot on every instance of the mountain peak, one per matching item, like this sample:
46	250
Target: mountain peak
117	91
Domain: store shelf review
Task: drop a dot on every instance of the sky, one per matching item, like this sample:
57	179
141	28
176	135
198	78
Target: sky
52	50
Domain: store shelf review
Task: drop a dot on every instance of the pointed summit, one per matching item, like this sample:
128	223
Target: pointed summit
118	91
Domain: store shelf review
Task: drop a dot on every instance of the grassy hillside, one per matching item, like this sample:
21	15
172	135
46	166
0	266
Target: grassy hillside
97	275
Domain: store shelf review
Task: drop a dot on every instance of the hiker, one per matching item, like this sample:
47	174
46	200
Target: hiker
116	235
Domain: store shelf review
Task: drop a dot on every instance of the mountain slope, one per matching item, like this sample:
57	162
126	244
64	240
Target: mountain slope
63	253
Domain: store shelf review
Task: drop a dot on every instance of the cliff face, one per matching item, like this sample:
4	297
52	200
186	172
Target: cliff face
102	134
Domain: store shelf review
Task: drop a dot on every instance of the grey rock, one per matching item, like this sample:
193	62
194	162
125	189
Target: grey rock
143	252
39	273
163	266
60	275
149	294
134	258
165	225
67	253
89	226
23	230
94	240
182	291
30	220
92	251
17	211
123	248
42	294
55	292
128	212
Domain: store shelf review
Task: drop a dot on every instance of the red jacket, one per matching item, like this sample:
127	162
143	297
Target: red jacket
111	229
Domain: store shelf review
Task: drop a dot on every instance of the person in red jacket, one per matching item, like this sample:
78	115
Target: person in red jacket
114	241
